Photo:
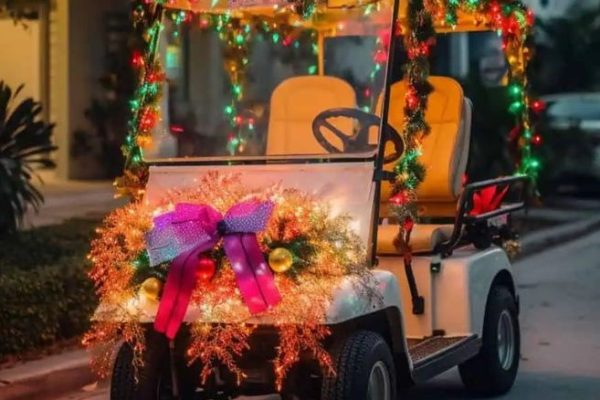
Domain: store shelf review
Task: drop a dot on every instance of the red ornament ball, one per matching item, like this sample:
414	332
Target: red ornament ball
401	198
205	269
538	106
137	59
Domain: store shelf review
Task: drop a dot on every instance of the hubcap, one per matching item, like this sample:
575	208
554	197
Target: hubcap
380	387
506	340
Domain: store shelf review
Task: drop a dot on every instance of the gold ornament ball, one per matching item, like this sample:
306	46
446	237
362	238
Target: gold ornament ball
512	248
151	289
281	260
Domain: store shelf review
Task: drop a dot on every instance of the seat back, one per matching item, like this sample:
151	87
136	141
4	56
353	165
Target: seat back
445	150
294	105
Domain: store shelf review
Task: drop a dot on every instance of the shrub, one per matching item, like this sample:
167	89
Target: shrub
44	305
46	245
45	293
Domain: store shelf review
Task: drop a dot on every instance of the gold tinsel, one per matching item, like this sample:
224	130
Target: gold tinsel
294	339
222	330
219	343
512	248
104	338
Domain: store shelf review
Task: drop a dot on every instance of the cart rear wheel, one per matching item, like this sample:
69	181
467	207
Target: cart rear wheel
494	370
364	370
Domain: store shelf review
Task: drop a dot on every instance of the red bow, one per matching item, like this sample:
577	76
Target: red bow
487	200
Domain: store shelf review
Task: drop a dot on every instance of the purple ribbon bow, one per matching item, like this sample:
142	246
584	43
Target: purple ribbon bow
190	230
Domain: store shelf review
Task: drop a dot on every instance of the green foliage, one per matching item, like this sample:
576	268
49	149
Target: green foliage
42	306
46	245
25	143
45	292
568	52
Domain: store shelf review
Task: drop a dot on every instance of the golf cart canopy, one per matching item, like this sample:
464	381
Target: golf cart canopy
465	22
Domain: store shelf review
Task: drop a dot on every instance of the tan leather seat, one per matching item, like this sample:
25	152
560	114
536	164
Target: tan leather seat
294	105
297	101
424	237
445	155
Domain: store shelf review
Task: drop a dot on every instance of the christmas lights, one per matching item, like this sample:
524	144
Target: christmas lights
514	22
309	251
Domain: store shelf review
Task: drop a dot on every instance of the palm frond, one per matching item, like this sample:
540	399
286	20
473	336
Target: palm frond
25	143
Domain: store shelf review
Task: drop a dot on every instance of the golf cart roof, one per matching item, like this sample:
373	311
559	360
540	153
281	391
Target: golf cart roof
329	12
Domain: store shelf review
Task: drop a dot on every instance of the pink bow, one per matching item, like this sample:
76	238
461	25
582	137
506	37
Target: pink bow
184	234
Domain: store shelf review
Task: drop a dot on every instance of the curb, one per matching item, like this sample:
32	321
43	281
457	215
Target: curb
47	378
538	241
64	373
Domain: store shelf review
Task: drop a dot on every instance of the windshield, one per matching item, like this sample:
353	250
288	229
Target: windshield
244	85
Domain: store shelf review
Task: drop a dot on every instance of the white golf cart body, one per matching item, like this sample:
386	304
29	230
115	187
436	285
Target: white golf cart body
453	278
455	288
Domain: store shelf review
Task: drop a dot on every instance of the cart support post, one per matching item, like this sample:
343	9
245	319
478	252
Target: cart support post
378	175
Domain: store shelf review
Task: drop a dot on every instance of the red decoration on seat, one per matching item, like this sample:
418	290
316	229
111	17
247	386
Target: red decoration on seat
401	198
487	200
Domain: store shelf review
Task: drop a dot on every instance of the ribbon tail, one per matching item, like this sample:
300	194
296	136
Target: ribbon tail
170	294
246	280
263	274
177	293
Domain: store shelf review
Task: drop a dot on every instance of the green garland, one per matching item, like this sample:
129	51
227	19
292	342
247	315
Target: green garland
514	22
419	39
144	105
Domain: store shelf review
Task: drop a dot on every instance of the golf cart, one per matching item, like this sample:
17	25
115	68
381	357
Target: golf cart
271	262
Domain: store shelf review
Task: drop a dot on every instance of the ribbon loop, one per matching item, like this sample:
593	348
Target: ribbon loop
190	230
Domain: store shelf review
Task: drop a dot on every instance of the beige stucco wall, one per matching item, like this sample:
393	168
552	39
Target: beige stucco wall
77	60
20	57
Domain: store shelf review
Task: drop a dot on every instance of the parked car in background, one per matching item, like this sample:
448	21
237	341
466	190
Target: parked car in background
572	134
574	110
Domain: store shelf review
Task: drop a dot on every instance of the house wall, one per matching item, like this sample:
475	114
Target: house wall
20	62
77	38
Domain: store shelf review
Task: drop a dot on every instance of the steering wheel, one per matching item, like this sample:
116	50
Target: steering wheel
357	141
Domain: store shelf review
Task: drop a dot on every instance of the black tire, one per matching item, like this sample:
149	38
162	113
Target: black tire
485	374
355	358
154	376
122	385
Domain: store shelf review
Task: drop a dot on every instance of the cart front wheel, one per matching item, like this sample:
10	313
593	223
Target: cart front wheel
154	379
364	370
149	386
494	370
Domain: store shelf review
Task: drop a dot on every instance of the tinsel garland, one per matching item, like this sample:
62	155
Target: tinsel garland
236	34
325	252
145	112
419	38
515	23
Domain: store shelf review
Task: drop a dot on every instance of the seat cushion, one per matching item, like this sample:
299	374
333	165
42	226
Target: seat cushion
424	238
294	105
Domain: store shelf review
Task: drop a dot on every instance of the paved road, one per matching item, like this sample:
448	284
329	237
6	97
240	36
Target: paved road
560	292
